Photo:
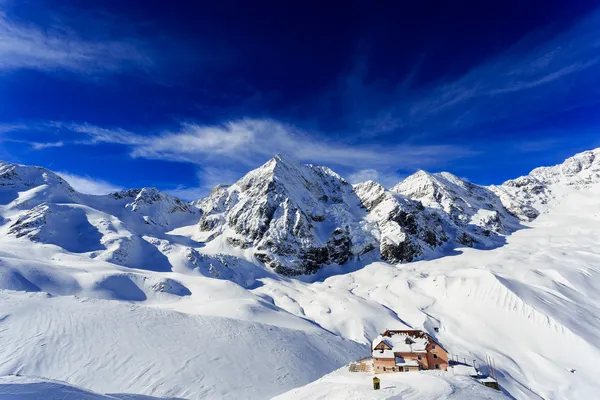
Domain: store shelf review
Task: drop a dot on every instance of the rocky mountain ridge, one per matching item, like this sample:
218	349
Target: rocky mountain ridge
292	218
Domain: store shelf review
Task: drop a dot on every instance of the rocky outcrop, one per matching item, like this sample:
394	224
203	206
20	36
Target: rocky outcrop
156	207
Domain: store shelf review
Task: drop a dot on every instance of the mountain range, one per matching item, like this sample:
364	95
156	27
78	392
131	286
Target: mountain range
294	266
291	218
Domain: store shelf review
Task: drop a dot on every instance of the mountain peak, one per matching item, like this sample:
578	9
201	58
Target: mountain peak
421	182
14	174
282	162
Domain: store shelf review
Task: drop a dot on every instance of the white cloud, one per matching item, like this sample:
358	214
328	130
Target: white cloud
208	178
387	179
252	141
364	175
40	146
28	46
7	128
88	185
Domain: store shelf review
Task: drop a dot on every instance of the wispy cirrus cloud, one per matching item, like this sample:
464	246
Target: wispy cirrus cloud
89	185
369	174
40	146
387	178
251	141
208	178
530	78
25	45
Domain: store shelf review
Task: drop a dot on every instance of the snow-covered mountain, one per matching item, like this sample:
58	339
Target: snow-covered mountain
295	218
529	195
290	217
202	291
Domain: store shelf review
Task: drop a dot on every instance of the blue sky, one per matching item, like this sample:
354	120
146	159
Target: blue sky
117	94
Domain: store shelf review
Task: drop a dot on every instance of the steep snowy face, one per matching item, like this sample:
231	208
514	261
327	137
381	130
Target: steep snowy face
24	186
155	207
406	229
38	205
529	195
64	226
579	170
473	207
294	217
16	175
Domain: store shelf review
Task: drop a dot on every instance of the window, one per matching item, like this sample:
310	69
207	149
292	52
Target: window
435	356
437	366
405	369
419	357
432	346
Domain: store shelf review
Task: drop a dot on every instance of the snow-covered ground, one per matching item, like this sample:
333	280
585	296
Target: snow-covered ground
137	308
426	385
16	387
531	305
117	347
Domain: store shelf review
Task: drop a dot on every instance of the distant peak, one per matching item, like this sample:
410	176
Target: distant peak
368	184
30	175
420	174
281	161
284	159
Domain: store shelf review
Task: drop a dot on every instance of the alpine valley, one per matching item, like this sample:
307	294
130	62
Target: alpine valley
285	276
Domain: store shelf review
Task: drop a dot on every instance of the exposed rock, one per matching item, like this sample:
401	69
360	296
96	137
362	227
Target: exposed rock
401	252
339	247
466	239
239	242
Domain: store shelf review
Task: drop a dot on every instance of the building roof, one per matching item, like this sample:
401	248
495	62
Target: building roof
403	342
383	354
415	334
379	339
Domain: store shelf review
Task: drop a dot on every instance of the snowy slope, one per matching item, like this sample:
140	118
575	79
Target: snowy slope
116	347
429	385
531	305
466	204
529	195
182	290
32	388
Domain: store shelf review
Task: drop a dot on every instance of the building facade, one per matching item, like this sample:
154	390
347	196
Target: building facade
407	350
